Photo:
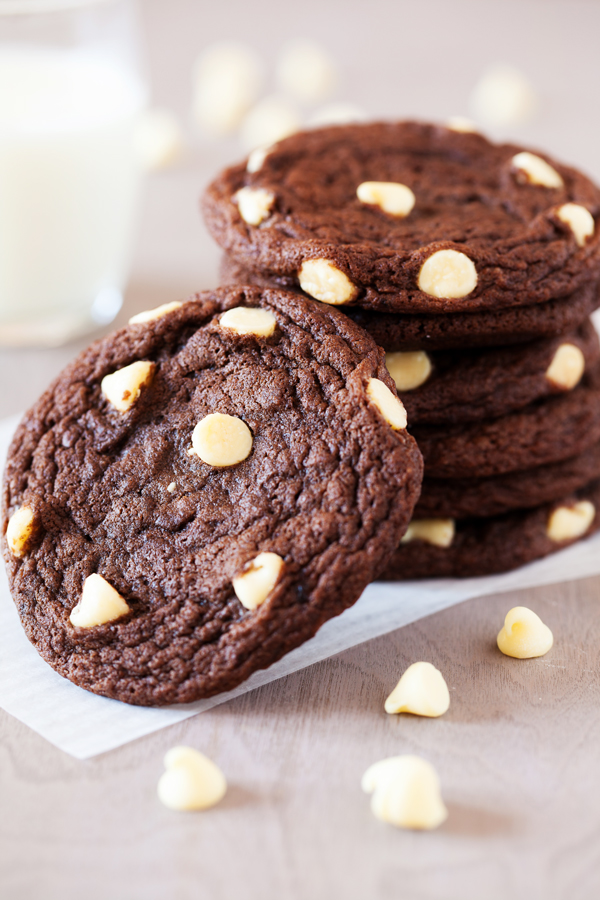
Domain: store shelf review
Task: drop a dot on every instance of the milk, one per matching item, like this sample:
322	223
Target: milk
69	183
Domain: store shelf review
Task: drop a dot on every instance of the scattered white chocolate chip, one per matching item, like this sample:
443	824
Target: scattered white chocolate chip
569	522
524	635
19	530
447	274
269	121
222	440
421	691
256	159
567	367
461	124
406	792
159	139
503	97
390	407
409	370
306	71
226	81
149	314
325	282
124	386
393	198
439	532
171	487
99	603
255	583
191	781
536	170
249	320
336	114
254	204
579	219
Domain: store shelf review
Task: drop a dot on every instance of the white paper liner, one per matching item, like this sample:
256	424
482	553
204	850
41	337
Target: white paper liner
84	725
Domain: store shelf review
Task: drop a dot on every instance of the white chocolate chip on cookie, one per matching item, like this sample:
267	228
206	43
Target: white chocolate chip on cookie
409	370
394	199
150	314
536	170
579	219
390	407
191	780
325	282
256	159
524	635
461	124
567	367
406	792
448	275
254	204
19	530
421	691
124	386
438	532
566	523
249	320
222	440
255	583
99	603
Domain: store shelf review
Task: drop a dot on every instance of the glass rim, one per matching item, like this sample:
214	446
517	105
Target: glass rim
31	7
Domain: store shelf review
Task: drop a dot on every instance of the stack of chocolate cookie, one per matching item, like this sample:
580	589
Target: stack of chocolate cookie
476	267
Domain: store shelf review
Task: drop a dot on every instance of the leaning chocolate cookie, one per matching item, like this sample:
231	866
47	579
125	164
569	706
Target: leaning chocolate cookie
467	385
197	493
407	217
442	548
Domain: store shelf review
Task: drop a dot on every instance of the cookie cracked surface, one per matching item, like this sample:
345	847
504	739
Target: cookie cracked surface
328	486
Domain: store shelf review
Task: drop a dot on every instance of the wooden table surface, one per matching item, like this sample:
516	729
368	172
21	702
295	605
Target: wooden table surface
517	753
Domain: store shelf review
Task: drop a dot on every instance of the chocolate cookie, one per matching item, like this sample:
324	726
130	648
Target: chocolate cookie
485	546
423	331
408	217
197	493
466	497
544	432
464	386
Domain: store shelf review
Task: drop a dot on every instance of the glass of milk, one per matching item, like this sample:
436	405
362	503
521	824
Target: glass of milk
71	94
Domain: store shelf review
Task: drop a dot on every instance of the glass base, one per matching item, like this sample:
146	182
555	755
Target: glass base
60	328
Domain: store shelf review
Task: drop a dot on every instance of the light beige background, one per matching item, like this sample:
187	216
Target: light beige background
518	751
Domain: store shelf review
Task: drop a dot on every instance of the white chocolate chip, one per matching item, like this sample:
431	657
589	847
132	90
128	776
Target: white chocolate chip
390	407
461	124
255	583
409	370
325	282
306	71
421	691
19	530
439	532
256	159
406	792
124	386
191	781
249	320
271	120
158	139
394	199
536	170
99	603
222	440
579	219
524	635
171	487
567	367
569	522
226	80
503	97
447	274
254	204
149	314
